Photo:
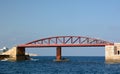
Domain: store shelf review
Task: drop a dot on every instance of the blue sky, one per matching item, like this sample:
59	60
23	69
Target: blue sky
22	21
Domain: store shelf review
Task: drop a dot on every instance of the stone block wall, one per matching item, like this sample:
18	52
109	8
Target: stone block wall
112	53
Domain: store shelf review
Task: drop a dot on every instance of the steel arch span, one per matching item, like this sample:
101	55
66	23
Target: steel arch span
67	41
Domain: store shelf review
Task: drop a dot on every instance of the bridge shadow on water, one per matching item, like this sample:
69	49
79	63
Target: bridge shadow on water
71	58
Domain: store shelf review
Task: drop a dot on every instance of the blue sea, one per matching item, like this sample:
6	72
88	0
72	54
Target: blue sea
46	65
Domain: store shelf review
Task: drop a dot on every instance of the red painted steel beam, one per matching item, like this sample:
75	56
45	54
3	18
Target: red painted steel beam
63	39
63	45
67	41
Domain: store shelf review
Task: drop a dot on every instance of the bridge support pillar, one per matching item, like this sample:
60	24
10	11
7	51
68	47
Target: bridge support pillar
58	54
20	54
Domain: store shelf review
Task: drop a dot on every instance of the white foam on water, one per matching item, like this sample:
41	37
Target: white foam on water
34	59
5	59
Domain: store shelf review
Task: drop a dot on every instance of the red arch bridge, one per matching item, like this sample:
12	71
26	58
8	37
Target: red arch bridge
66	41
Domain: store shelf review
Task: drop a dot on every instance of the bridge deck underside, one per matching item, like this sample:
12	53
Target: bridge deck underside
62	45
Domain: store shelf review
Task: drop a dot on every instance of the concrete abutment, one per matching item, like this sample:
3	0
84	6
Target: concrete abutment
112	53
16	54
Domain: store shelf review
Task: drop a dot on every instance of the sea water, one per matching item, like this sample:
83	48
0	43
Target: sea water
46	65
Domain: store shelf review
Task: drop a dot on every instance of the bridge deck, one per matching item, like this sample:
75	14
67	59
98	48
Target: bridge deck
63	45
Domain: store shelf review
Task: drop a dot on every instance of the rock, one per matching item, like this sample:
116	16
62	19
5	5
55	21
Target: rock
31	54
